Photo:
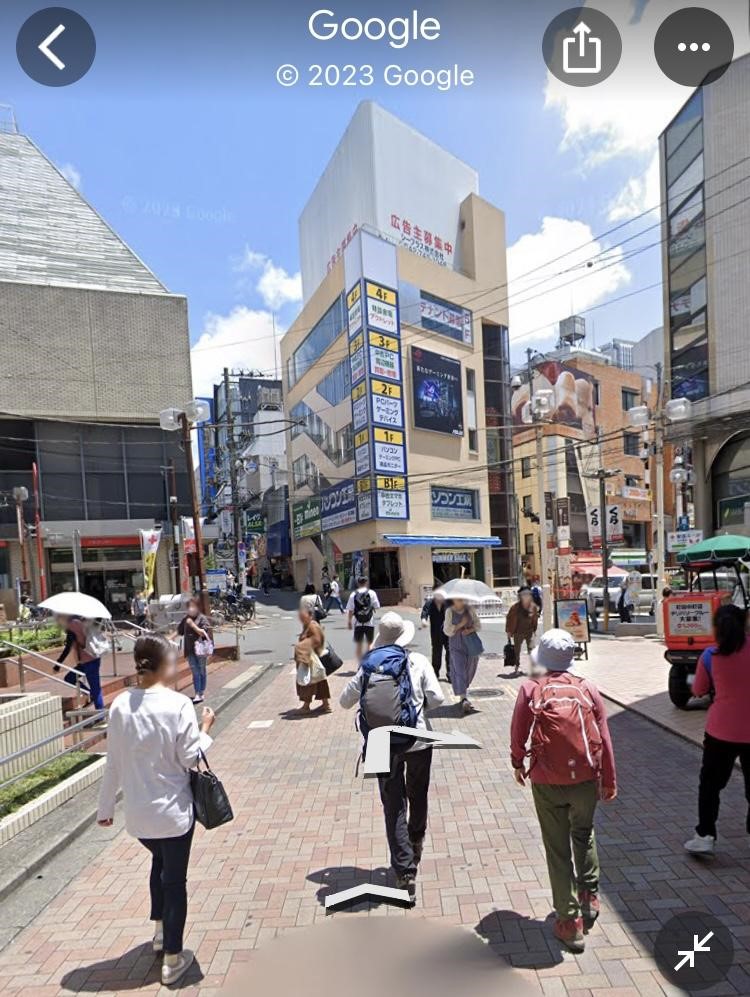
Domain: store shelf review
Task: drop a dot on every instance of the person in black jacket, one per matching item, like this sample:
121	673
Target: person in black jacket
433	612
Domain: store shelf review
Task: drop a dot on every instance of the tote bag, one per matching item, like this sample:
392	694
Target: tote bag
210	801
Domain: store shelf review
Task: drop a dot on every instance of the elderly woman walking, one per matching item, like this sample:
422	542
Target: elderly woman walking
311	677
462	628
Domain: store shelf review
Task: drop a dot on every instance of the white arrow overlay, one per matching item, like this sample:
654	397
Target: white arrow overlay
378	756
44	47
400	897
690	954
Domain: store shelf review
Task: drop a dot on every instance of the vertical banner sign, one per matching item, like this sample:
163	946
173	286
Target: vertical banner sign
562	507
377	402
615	534
149	547
549	519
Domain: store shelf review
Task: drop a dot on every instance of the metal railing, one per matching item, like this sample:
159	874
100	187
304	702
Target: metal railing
24	666
78	744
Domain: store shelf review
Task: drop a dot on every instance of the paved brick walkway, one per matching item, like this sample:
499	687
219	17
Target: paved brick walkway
306	826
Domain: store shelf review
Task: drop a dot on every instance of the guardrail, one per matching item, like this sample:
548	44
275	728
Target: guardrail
24	667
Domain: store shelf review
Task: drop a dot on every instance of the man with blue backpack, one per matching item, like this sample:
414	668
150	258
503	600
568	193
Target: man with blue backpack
393	687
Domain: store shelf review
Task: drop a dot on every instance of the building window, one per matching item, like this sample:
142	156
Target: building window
317	341
631	481
493	449
526	503
629	399
526	467
631	444
597	394
471	409
528	543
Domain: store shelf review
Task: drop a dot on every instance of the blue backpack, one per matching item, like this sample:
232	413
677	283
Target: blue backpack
386	698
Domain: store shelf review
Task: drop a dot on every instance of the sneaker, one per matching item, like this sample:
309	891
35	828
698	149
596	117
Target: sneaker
158	940
570	933
701	844
173	971
408	883
590	907
417	847
197	699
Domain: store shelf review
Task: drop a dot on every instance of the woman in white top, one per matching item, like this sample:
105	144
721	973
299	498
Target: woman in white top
152	742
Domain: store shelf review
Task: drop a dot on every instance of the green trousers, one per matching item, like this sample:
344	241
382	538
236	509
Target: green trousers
566	819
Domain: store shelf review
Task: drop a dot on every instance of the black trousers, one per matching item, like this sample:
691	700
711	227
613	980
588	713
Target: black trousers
168	885
403	794
440	644
718	761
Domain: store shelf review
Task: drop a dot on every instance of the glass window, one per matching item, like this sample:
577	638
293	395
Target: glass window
685	154
629	399
528	543
684	216
685	121
317	341
682	246
102	448
686	184
63	496
471	409
526	467
59	448
526	503
336	385
689	272
493	449
631	444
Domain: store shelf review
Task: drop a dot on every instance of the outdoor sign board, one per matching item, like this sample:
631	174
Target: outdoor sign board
690	619
571	615
615	534
306	518
683	539
437	398
453	503
338	506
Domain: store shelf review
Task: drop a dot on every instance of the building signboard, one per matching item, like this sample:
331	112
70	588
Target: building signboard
445	318
454	503
357	358
354	310
338	506
385	363
437	398
615	534
364	499
683	539
306	518
392	502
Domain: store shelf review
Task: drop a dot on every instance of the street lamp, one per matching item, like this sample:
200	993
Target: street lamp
21	495
172	419
675	410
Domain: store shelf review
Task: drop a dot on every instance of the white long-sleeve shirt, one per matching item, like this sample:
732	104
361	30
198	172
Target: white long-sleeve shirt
425	688
152	742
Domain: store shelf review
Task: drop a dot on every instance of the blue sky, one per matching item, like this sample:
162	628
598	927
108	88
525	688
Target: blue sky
183	141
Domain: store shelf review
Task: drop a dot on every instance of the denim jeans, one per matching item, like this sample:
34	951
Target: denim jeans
93	684
168	885
198	668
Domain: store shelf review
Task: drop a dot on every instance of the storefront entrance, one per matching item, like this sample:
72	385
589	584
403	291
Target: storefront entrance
447	564
111	574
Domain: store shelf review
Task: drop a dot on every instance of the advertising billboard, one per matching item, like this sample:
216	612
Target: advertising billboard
436	388
306	518
454	503
338	506
573	394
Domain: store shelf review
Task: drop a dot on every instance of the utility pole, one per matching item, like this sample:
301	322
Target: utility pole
38	528
541	501
21	494
233	477
175	525
188	448
601	474
659	462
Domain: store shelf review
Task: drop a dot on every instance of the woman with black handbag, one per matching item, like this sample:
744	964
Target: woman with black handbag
153	741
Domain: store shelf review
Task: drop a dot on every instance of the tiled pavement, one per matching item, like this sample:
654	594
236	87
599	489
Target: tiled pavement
305	825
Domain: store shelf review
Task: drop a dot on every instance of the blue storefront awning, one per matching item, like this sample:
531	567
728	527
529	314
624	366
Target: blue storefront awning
412	540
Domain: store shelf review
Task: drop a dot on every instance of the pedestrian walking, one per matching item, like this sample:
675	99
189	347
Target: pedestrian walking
334	595
311	676
265	579
725	670
571	766
361	607
402	680
197	642
626	601
521	622
153	741
139	608
433	613
325	582
462	628
83	637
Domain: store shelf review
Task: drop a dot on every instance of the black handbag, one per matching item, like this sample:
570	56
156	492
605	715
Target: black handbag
210	801
330	660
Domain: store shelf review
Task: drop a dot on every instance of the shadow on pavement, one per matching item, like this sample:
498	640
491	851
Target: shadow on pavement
294	714
520	940
137	968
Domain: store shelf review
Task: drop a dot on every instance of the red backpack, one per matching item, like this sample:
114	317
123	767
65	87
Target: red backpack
565	737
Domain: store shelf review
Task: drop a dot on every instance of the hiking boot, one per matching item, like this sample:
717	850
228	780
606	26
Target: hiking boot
570	933
408	883
701	844
590	907
417	847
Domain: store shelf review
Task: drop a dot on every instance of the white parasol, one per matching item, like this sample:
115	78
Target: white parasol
76	604
467	589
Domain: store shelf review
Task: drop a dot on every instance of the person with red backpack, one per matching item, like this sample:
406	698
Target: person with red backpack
571	766
393	687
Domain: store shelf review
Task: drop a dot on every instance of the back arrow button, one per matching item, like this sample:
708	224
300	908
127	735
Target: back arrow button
73	52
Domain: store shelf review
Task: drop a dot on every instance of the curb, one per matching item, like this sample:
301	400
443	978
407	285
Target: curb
652	720
17	873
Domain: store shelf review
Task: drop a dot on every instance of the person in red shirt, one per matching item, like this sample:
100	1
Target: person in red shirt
724	669
571	767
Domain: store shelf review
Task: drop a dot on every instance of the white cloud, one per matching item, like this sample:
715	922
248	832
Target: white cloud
565	285
71	174
243	339
276	287
639	195
625	114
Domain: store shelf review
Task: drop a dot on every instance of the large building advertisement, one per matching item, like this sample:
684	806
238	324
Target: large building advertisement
377	402
436	387
573	395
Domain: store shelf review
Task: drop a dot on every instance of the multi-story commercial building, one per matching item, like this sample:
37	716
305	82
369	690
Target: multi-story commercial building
706	246
92	347
396	370
587	429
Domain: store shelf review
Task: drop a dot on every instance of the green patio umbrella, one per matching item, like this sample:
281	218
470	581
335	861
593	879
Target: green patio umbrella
721	548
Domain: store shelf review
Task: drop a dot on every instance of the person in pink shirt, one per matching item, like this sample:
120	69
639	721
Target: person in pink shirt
725	670
570	766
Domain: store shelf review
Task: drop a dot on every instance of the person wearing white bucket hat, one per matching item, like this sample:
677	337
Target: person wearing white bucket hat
571	766
404	791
